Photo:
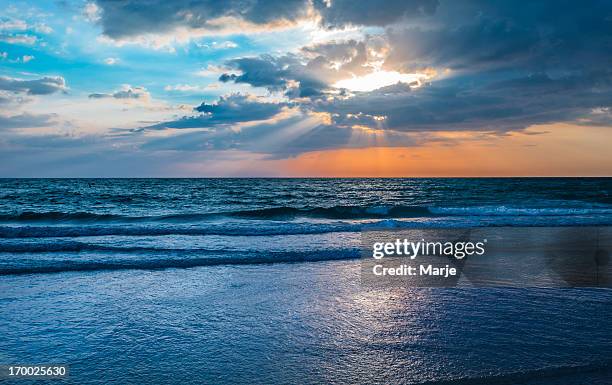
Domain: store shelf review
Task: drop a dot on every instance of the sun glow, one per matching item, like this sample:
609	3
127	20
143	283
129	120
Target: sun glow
527	153
378	79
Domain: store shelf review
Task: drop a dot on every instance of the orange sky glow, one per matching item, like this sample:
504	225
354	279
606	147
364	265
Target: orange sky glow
550	150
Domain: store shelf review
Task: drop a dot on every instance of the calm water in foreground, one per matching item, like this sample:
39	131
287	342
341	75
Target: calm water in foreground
257	281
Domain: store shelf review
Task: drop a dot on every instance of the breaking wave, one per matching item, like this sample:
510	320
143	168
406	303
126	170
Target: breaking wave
185	259
334	212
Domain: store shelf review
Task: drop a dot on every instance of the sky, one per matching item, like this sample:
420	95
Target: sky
305	88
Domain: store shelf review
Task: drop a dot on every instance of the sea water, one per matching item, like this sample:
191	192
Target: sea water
257	281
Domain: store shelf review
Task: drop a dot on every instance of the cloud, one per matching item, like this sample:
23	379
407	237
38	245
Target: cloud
131	19
227	110
307	74
482	92
292	134
23	59
316	70
18	39
289	135
43	28
601	116
339	13
218	45
491	66
182	19
111	61
127	92
498	68
43	86
265	71
189	88
278	130
91	11
466	104
21	25
211	70
26	120
10	98
476	36
13	25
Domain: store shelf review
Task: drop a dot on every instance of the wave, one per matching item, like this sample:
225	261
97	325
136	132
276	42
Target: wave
283	228
74	246
9	232
254	258
334	212
337	212
33	216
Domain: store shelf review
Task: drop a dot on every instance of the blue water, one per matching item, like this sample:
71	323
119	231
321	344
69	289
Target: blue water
257	281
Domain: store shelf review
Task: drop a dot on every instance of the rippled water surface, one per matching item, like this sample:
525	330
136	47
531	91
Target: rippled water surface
256	281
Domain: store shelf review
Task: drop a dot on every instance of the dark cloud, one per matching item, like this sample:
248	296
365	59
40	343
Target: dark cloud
130	18
265	71
483	101
500	67
484	35
510	67
459	104
26	120
43	86
349	58
372	13
228	109
286	73
309	74
100	96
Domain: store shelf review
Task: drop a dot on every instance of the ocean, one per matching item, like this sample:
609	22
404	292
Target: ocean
258	281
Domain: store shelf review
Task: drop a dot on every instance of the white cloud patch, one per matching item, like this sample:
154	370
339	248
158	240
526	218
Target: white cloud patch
19	39
43	28
218	45
111	61
92	12
189	88
13	25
